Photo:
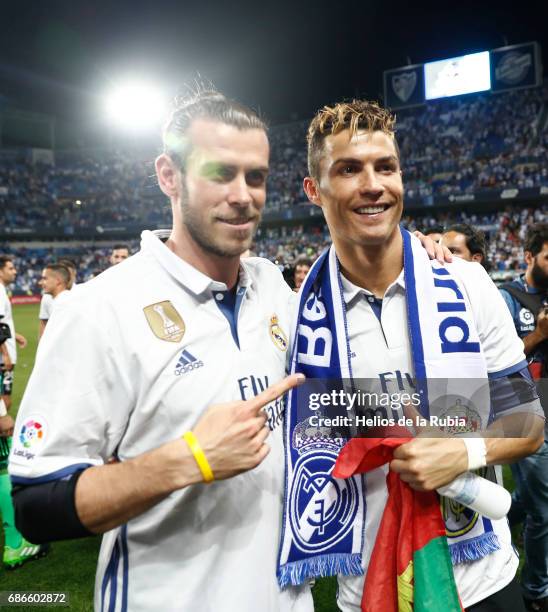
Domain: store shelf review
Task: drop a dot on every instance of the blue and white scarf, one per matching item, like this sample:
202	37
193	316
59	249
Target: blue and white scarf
324	518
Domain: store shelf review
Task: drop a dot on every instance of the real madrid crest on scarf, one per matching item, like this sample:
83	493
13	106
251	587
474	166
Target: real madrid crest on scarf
324	517
320	504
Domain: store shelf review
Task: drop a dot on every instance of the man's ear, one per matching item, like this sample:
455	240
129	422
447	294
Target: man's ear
528	258
311	189
477	257
167	175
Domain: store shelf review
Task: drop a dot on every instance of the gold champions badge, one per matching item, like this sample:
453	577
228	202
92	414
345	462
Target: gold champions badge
166	323
277	334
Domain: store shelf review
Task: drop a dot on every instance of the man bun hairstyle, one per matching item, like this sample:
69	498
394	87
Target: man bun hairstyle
203	101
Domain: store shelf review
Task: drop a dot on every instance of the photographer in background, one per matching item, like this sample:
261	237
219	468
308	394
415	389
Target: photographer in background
527	299
300	270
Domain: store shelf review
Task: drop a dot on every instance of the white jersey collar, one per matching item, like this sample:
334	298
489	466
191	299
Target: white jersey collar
352	291
189	276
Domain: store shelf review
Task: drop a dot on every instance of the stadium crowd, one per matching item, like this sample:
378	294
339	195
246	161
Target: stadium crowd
505	231
463	145
453	147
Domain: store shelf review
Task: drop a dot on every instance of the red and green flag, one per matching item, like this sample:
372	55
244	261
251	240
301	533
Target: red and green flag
410	567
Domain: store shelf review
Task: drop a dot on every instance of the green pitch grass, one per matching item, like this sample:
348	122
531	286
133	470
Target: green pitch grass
70	566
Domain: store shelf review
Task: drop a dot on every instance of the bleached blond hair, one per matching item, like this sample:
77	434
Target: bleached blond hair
353	116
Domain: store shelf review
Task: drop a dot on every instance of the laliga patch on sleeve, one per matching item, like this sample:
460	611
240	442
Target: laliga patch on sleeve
526	316
29	440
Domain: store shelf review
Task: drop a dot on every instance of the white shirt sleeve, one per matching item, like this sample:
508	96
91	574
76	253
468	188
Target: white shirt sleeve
77	401
3	298
500	343
46	304
7	317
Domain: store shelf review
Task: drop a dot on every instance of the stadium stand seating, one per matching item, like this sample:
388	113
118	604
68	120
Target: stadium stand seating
504	229
455	147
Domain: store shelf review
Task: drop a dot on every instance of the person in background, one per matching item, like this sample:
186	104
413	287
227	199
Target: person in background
46	302
300	270
466	242
120	252
527	300
434	231
17	550
56	281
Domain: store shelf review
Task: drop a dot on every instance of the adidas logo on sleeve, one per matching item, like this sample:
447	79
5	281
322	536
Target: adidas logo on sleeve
187	362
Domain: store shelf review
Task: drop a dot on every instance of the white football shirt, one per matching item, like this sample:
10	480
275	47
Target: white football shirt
7	317
46	306
130	362
60	298
382	351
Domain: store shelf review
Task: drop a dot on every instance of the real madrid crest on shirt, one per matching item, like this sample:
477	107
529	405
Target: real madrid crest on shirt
166	323
277	334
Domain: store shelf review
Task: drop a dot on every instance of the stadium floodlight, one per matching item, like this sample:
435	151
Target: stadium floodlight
136	106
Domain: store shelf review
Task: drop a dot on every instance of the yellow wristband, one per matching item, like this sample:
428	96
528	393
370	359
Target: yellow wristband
199	455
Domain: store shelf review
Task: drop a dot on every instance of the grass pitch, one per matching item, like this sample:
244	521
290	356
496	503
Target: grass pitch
70	566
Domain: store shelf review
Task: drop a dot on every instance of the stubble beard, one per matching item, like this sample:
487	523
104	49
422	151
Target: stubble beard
540	278
205	239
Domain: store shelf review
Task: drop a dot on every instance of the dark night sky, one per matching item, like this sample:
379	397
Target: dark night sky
284	58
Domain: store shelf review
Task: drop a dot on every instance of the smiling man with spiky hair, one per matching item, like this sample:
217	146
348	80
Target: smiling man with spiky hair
374	308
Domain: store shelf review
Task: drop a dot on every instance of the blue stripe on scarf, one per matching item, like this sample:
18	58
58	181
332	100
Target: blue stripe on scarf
413	321
125	566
